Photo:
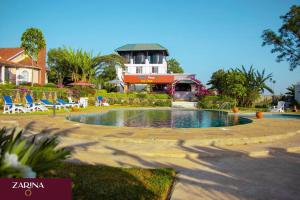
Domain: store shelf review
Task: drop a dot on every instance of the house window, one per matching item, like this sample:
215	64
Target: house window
126	56
154	70
139	70
156	58
139	58
25	76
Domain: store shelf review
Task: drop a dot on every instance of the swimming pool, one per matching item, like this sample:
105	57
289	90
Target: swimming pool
282	116
168	118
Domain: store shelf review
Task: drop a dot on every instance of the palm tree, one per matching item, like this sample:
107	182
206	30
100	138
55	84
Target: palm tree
82	65
291	91
255	84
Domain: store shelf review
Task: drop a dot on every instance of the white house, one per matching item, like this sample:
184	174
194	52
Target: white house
146	65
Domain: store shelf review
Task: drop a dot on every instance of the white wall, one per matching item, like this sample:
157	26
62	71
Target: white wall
147	67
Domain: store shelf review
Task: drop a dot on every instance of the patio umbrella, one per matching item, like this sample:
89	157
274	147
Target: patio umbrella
115	81
82	83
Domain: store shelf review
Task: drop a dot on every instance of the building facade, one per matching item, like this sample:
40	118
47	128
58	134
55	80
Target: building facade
146	68
16	67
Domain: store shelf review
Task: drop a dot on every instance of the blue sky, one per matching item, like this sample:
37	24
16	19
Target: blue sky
202	35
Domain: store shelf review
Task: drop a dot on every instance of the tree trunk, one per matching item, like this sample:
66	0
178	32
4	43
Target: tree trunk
32	71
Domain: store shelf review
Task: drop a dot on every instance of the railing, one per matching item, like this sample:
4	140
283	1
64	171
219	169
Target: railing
221	113
184	95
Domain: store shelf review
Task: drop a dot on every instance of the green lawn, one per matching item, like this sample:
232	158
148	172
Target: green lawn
104	182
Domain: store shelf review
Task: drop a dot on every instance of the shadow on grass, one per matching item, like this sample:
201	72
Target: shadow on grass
112	183
104	182
219	173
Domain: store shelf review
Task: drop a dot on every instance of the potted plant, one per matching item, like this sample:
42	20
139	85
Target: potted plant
235	109
259	114
295	108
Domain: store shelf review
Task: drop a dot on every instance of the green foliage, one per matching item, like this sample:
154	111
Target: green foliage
32	42
67	64
287	42
174	66
59	68
132	95
24	157
214	102
240	84
104	182
134	100
52	85
291	91
106	70
217	80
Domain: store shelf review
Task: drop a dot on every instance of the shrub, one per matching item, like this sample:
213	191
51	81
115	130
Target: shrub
163	103
52	85
23	157
214	102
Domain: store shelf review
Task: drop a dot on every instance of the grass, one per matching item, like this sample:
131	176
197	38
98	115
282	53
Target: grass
112	183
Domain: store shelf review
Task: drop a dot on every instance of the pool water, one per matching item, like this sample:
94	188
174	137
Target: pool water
282	116
170	118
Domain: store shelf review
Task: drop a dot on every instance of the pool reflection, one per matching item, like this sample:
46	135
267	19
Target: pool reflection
161	118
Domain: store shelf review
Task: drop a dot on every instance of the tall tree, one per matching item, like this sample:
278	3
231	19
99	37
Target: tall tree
287	42
58	65
75	64
291	91
106	69
217	80
174	66
244	85
33	41
255	84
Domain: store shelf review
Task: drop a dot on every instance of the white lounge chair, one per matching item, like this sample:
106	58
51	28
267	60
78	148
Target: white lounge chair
48	104
10	107
65	104
71	100
279	107
33	106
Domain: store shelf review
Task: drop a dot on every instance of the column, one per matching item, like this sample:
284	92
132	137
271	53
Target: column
125	88
3	74
17	76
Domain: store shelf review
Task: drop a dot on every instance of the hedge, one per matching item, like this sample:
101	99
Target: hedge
38	92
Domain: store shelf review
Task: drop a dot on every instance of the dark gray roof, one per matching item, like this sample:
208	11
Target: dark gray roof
142	47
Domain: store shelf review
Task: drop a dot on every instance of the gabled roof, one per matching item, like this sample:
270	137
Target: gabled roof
142	47
14	64
28	61
7	53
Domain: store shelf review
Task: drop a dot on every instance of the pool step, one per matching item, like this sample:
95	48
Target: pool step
184	104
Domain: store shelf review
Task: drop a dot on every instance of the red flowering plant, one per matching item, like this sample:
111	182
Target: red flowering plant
23	90
73	92
60	85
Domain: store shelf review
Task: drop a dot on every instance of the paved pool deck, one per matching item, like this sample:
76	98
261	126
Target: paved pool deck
259	160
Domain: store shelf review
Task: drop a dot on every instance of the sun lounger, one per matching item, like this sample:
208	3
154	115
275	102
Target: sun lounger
10	107
33	106
99	100
279	107
65	104
48	104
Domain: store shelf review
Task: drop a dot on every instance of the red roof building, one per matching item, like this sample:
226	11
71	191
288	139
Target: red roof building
17	67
